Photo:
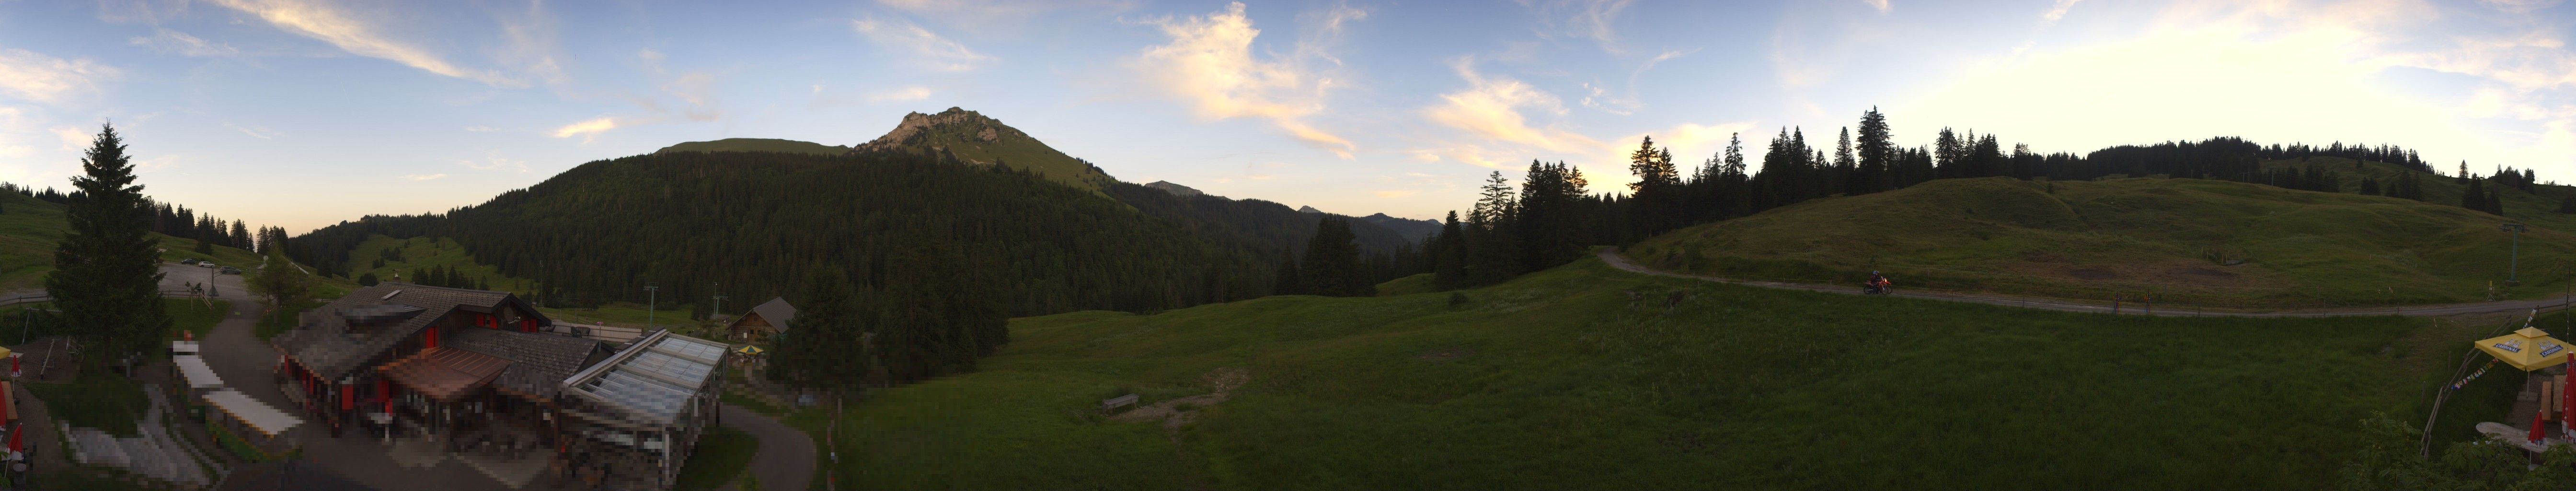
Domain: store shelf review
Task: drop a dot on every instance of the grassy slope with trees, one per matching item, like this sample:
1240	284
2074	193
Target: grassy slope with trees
1585	377
756	145
2169	238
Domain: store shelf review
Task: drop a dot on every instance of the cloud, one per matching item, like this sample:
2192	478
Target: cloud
497	162
2519	6
1881	5
905	94
1588	19
587	130
696	89
1209	63
1491	107
73	137
1627	103
927	48
2057	12
421	177
169	41
255	132
324	22
43	78
1001	15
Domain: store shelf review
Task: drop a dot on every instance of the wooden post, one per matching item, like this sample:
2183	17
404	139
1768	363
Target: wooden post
2115	304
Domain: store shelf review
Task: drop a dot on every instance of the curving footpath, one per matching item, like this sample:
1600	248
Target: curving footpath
1611	256
786	456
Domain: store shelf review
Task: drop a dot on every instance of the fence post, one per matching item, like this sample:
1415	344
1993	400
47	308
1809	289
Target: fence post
2115	304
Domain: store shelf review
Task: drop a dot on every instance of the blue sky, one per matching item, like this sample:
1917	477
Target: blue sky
301	113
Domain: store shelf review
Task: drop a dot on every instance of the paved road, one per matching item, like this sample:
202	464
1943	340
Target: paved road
1611	256
786	457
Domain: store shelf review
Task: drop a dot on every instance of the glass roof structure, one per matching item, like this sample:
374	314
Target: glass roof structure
653	379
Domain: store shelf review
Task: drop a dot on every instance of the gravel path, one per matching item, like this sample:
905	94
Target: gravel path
1611	255
786	458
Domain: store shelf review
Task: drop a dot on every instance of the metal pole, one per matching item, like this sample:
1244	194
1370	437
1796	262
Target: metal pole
649	291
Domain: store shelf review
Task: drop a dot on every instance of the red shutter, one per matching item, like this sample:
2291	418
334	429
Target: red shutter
429	338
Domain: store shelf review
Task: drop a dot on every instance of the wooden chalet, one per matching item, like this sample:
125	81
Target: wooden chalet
484	372
763	321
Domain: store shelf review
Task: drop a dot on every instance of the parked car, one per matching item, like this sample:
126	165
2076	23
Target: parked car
189	261
231	270
208	264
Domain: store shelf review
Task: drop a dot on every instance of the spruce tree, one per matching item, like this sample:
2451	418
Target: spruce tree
1875	152
107	277
1288	280
1449	268
814	354
1333	261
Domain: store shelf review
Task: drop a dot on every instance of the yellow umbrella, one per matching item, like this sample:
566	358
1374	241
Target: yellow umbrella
2528	349
749	350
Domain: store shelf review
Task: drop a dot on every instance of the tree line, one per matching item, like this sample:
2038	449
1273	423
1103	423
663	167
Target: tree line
1550	217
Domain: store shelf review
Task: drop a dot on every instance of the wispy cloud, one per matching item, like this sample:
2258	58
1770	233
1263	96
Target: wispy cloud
259	132
587	130
1589	19
905	94
925	47
1627	102
74	138
1002	15
1881	5
43	78
328	23
1491	107
421	177
169	41
1209	62
2057	12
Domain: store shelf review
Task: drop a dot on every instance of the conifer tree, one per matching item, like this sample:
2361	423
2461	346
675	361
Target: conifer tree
1333	261
106	276
1876	152
1289	281
1449	268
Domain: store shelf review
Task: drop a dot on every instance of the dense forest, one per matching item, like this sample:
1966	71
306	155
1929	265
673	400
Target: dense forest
1550	218
758	223
180	221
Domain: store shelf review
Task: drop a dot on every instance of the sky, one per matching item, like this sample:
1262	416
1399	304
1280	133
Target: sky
304	113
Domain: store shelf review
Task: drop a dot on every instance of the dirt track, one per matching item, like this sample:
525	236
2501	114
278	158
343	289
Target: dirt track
1611	255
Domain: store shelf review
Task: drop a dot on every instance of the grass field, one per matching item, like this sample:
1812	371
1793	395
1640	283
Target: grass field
1583	377
30	229
421	253
721	455
2170	239
97	400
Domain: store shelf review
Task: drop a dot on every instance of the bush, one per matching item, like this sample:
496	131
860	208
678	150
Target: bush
1457	299
368	279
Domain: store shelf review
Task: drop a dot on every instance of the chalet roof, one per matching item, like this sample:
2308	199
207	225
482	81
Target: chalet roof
653	378
776	311
323	342
444	373
539	361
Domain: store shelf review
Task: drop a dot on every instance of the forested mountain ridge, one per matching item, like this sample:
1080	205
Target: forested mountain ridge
756	223
756	145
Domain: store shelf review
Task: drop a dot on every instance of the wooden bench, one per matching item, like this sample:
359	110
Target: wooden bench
1111	404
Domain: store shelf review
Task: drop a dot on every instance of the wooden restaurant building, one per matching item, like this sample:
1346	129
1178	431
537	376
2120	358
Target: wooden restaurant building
485	372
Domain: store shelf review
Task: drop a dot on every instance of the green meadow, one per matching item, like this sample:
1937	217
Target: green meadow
1584	377
2174	240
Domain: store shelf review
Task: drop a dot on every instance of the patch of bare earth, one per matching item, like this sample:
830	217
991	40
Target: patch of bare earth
1224	380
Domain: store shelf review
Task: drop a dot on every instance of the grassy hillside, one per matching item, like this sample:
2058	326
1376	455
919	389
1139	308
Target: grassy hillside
422	253
974	138
757	145
2172	239
1587	378
30	229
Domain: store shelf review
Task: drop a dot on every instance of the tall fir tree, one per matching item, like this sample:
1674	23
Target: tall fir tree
1288	280
1875	151
107	276
1332	261
829	320
1449	263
